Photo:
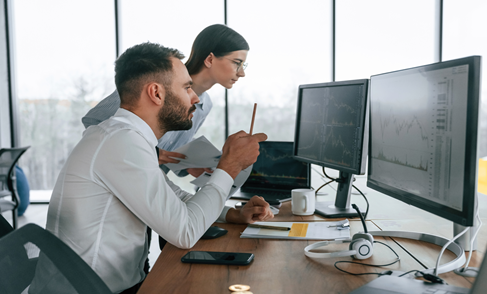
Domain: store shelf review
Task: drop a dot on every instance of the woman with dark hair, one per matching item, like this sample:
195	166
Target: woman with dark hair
215	41
217	57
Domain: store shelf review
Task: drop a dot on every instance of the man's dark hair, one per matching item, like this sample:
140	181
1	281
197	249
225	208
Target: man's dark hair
141	64
217	39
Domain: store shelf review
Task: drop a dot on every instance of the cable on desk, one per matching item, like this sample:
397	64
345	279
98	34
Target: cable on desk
366	201
435	272
374	265
411	271
465	268
429	277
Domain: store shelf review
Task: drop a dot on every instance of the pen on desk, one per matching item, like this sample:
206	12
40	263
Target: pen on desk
270	227
253	118
340	226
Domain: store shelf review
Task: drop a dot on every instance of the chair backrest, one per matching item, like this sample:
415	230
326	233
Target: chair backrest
5	227
8	159
27	252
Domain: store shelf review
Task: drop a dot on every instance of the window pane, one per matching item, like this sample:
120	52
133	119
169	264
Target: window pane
464	26
64	63
170	23
379	36
290	44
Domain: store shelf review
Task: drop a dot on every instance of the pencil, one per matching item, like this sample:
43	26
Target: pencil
270	227
253	118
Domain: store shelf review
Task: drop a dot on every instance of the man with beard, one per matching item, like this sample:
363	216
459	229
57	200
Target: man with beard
111	187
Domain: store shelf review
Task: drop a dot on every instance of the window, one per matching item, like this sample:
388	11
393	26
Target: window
374	37
463	30
65	52
290	44
64	63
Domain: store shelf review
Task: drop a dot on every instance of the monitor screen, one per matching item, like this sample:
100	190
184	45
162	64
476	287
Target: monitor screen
331	125
423	137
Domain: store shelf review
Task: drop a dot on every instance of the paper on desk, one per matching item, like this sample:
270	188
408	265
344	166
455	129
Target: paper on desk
237	183
200	153
300	231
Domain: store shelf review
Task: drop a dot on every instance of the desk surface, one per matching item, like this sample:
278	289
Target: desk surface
280	266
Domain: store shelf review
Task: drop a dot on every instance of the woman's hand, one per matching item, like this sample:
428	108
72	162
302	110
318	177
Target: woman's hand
196	172
166	156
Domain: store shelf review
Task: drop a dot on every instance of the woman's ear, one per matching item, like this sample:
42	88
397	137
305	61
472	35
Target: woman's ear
209	60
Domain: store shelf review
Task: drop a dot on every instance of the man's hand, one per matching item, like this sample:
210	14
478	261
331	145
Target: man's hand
165	156
196	172
256	209
240	151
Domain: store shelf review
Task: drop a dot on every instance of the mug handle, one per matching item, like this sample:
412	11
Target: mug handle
305	203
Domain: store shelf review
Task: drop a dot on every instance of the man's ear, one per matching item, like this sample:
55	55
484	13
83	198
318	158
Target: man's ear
156	93
209	60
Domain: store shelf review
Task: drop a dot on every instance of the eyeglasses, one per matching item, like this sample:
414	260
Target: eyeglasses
239	65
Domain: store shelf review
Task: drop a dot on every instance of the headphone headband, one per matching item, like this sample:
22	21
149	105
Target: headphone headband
327	255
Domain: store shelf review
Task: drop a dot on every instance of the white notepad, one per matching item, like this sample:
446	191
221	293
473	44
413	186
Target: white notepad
300	231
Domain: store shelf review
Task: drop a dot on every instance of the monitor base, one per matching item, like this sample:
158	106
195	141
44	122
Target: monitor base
471	272
328	209
433	239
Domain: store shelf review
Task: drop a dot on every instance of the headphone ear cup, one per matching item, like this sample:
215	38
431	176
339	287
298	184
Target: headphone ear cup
363	248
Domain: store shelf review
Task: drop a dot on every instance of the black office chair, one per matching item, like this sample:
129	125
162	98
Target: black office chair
8	184
31	257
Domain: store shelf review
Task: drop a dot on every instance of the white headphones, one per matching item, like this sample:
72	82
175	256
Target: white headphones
361	247
361	244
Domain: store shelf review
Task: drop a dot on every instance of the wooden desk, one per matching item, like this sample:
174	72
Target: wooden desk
280	266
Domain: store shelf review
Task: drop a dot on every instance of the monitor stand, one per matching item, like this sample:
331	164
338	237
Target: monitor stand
342	206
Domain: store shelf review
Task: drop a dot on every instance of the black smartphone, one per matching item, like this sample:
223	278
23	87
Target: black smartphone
211	257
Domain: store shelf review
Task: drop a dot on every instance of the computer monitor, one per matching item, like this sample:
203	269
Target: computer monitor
423	137
332	131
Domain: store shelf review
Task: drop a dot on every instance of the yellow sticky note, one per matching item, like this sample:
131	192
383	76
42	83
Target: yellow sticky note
482	175
298	230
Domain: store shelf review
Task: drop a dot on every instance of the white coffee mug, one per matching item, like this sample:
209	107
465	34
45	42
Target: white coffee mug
303	201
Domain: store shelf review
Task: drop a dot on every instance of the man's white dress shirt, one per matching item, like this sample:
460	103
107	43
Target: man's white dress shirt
111	188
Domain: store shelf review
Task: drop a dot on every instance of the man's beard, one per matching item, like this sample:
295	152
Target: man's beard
173	116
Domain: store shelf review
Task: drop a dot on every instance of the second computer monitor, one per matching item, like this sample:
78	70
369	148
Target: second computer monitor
332	131
423	137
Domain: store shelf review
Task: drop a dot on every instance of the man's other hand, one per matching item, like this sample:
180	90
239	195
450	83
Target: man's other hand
256	209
